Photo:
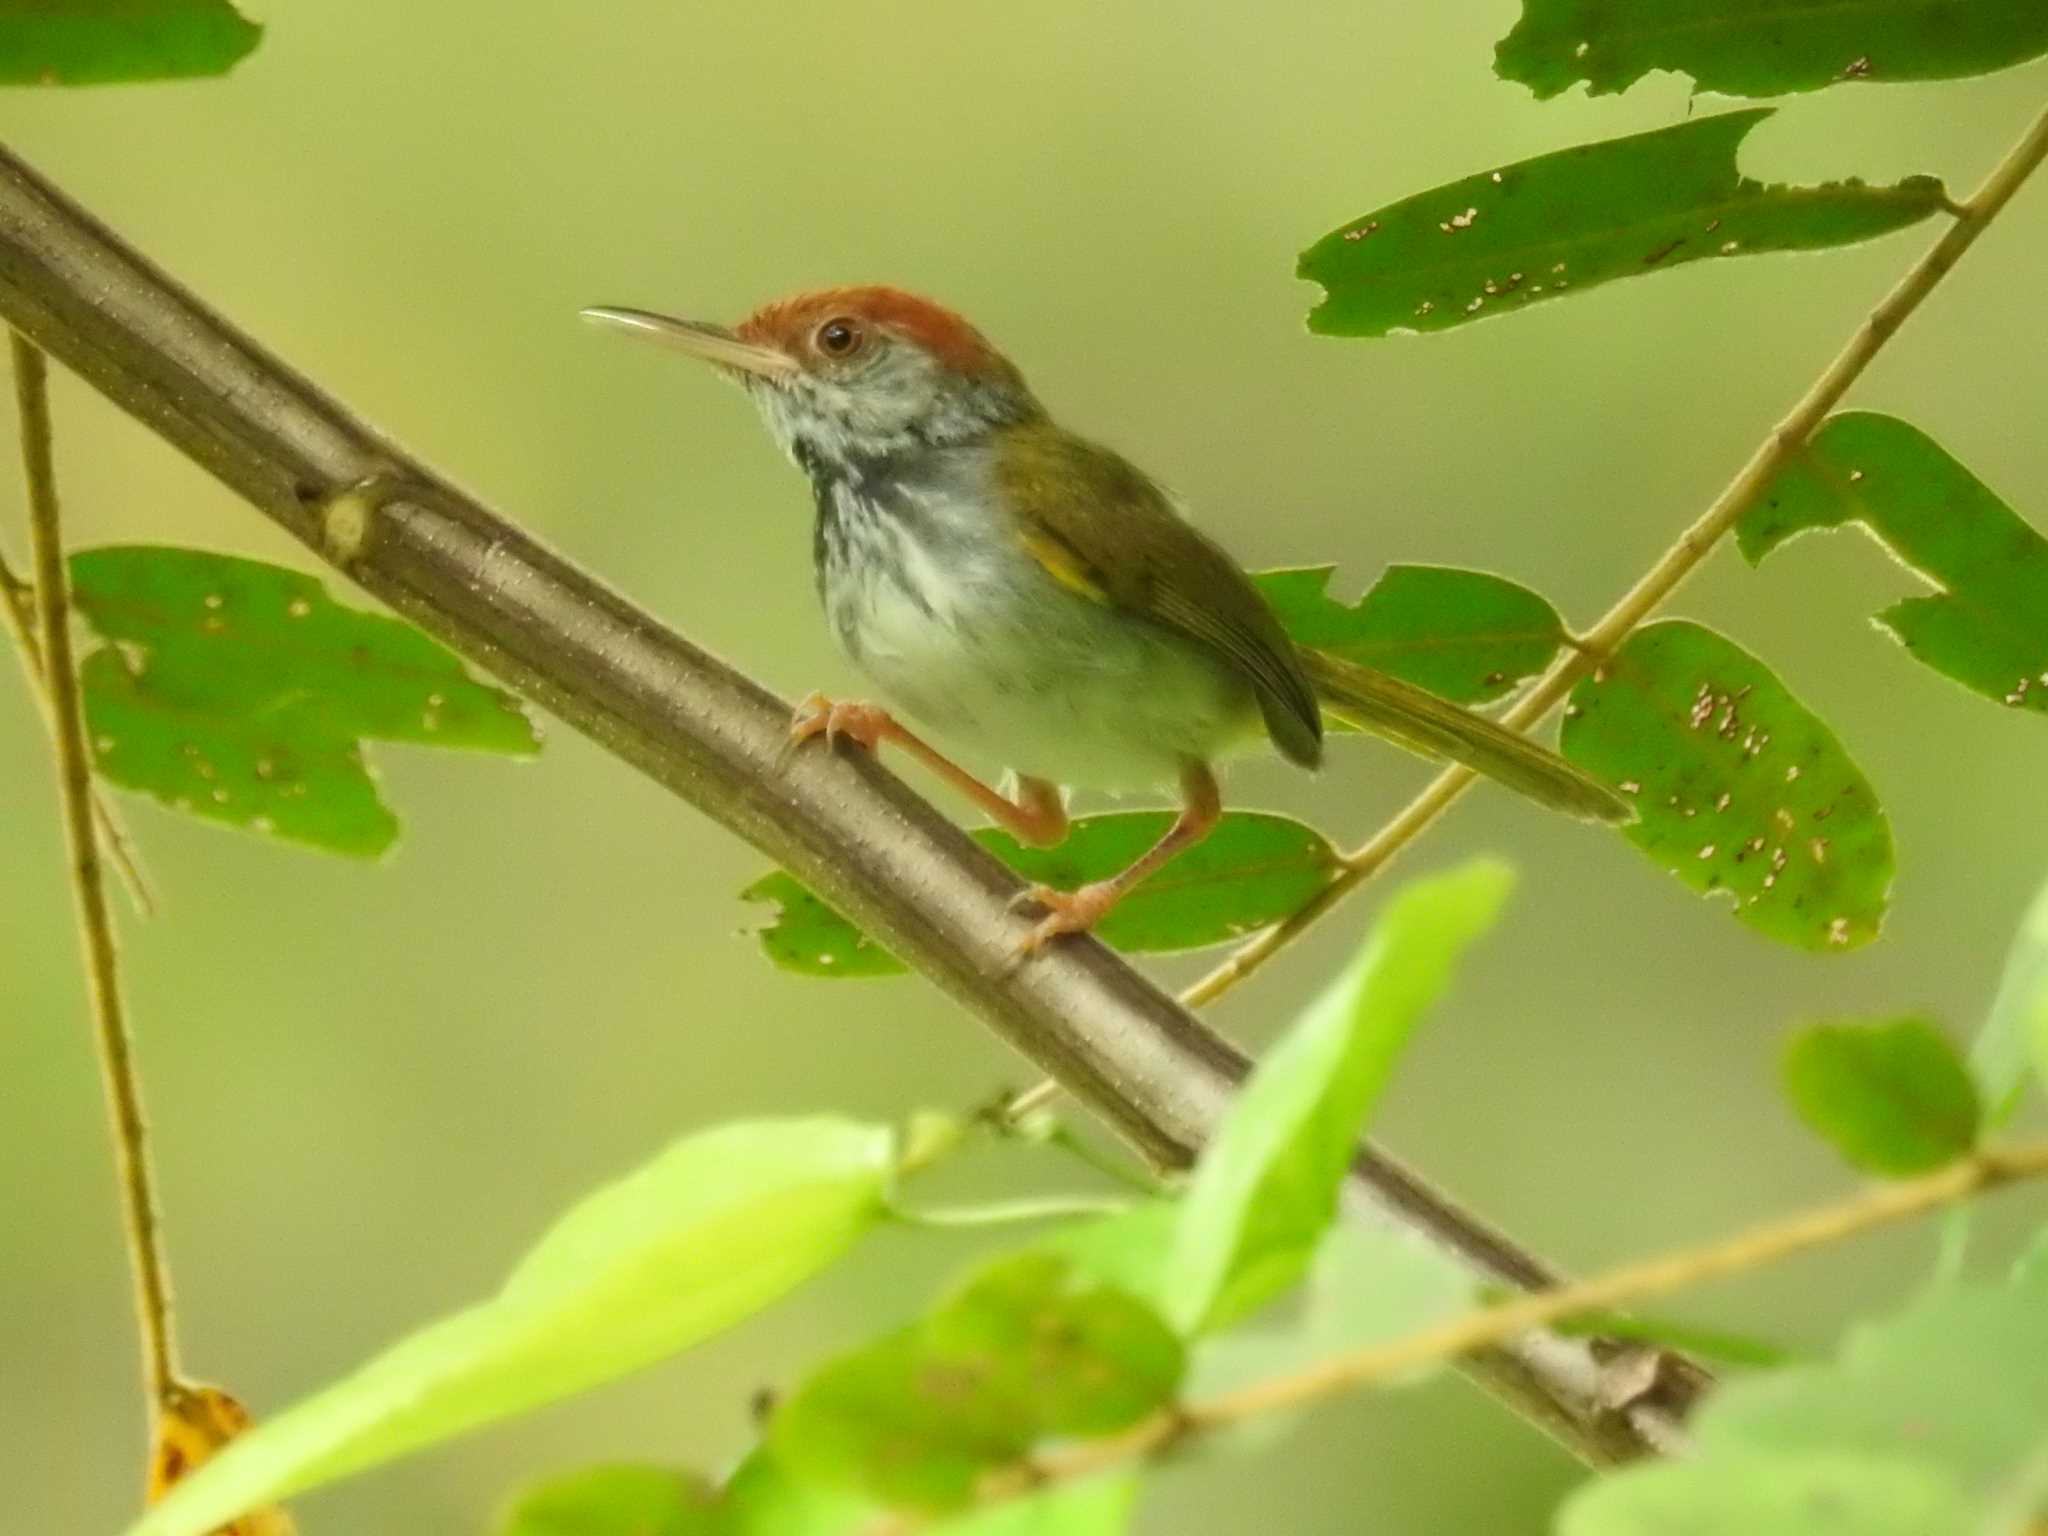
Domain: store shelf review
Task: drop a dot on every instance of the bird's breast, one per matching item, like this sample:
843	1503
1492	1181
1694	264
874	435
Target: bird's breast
930	592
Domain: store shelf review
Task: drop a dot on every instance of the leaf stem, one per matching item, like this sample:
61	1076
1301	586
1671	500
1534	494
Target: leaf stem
1001	1213
1487	1326
95	925
18	613
1671	568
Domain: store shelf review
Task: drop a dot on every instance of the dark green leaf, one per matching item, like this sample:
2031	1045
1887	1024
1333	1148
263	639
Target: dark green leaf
1716	1344
1562	223
1765	47
1892	1098
2016	1031
615	1501
1266	1187
1466	636
1988	629
96	42
1252	870
1932	1423
1741	789
714	1229
238	691
1030	1348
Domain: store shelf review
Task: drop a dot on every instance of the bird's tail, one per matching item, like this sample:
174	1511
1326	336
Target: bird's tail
1417	719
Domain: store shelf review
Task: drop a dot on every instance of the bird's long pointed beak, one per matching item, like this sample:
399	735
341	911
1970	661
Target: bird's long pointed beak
699	338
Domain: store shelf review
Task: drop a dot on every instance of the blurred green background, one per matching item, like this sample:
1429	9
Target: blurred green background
371	1086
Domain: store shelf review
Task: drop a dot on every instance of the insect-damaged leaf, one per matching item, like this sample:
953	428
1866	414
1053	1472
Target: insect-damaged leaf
1893	1098
1765	47
1467	636
1252	870
1561	223
93	42
1988	628
712	1230
1741	789
238	691
1029	1348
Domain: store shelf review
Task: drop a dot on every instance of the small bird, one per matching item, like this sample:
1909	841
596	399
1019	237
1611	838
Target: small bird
1037	598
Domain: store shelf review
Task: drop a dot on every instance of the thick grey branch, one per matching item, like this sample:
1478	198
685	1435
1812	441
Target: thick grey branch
842	824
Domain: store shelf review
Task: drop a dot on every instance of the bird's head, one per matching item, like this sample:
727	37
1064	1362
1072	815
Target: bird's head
845	377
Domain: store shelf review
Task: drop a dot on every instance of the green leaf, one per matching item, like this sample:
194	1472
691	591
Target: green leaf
1368	1284
615	1501
97	42
1931	1423
1562	223
1031	1347
1130	1250
1759	1493
1466	636
714	1229
1252	870
1988	628
1266	1187
1717	1344
1765	47
765	1499
1893	1098
2017	1026
1740	788
238	691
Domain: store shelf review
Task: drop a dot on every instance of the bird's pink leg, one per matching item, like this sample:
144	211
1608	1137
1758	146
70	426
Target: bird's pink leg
1037	817
1077	911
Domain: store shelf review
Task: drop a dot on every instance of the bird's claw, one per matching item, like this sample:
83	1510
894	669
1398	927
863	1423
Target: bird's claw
817	715
1074	911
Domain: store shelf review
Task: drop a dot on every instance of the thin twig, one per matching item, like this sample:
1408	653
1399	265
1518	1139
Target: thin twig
1671	568
95	924
1487	1326
18	613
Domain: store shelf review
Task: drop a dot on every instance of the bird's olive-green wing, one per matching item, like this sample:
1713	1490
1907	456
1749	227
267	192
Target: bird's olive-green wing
1101	528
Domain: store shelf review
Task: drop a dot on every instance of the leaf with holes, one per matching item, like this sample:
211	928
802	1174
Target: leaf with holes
1742	791
718	1226
239	692
1765	47
1252	870
1893	1098
1988	627
1030	1348
92	42
1539	229
1467	636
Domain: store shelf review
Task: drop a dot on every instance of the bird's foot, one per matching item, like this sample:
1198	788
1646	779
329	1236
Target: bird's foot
1074	911
866	724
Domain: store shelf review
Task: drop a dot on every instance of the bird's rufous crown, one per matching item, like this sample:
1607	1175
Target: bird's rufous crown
786	323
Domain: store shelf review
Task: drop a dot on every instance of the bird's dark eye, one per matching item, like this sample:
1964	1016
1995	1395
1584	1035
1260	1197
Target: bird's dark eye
839	338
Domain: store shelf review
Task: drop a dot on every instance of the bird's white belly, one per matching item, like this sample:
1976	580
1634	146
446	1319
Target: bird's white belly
997	659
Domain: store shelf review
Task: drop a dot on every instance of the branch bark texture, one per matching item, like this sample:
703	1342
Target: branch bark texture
851	831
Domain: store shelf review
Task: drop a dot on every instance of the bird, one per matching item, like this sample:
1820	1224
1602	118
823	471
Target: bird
1037	599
